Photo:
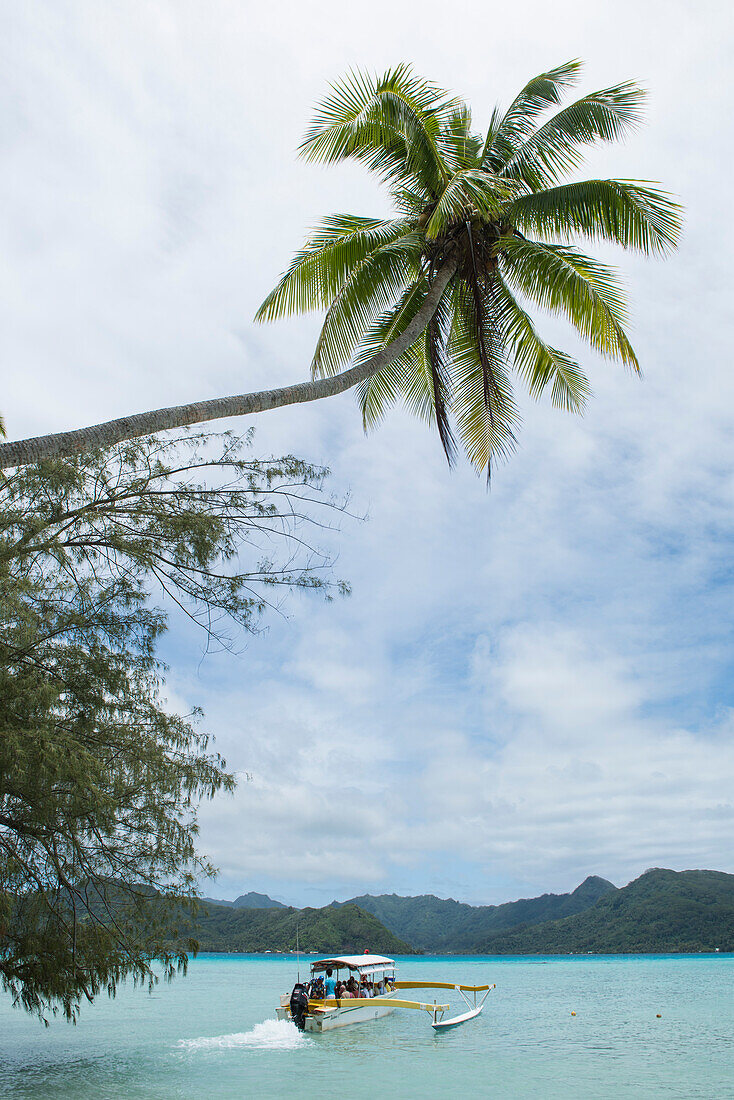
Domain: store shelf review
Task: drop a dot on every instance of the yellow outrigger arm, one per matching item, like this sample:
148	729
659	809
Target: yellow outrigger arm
354	1002
443	985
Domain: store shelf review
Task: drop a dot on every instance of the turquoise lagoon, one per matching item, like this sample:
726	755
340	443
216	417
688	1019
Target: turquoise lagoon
213	1034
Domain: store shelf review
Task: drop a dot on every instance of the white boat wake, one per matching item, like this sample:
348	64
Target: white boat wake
269	1035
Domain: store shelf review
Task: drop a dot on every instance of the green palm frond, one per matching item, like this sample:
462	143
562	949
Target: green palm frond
628	212
507	131
557	147
423	386
490	158
469	189
438	362
404	379
392	123
409	202
369	291
318	272
487	430
460	146
562	280
537	363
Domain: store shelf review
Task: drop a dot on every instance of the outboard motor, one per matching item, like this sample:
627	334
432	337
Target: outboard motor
299	1005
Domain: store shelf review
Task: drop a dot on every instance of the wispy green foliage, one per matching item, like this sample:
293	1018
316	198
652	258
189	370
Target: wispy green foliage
99	779
472	201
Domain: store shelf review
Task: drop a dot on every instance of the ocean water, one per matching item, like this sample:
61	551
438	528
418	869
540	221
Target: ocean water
644	1026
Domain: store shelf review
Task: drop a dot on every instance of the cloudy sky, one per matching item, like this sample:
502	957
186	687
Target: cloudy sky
527	686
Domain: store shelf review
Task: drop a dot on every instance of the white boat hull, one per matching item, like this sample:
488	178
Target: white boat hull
343	1017
339	1017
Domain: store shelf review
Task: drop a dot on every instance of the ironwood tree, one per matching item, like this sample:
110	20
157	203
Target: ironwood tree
99	779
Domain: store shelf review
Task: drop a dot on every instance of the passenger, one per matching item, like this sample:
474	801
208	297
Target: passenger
329	984
365	990
380	988
352	987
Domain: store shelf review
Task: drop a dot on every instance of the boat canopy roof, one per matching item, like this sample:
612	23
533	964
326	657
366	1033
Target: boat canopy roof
365	964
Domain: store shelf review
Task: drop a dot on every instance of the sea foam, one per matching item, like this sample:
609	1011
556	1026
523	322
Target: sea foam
269	1035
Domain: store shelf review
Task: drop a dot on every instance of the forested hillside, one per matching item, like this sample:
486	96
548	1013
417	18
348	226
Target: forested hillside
444	925
331	930
662	911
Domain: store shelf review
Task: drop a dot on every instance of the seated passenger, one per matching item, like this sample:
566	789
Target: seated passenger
352	987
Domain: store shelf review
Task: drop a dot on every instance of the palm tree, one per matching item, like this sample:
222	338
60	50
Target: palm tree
431	306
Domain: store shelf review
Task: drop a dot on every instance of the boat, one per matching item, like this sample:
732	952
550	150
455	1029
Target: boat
377	995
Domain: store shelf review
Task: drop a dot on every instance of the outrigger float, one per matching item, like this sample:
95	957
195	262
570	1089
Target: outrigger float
310	1009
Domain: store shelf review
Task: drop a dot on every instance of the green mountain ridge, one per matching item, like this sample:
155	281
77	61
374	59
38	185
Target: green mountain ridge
662	911
443	925
252	900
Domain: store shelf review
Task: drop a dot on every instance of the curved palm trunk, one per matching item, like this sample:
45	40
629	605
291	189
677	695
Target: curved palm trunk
24	451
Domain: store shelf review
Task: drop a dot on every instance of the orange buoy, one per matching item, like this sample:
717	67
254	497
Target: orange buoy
573	1013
